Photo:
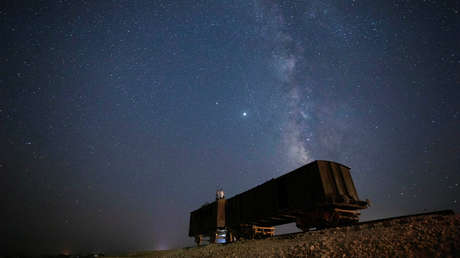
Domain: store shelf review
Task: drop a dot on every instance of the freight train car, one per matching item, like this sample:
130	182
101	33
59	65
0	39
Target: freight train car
319	194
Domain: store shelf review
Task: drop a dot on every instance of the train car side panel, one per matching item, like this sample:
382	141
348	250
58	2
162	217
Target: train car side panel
203	220
337	182
302	188
350	186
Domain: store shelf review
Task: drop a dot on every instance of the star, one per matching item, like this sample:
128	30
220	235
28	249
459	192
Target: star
245	114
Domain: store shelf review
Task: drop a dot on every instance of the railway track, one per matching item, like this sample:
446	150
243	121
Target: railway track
371	223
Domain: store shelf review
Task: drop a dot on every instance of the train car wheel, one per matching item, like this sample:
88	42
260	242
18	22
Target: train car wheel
198	240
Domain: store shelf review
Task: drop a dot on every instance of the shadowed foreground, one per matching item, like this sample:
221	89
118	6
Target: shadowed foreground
426	236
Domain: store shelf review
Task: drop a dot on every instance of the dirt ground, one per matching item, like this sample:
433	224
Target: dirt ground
424	236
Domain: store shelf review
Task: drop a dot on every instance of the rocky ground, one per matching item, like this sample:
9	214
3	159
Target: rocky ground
422	236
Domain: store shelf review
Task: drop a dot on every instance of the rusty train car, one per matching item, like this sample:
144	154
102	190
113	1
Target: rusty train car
317	195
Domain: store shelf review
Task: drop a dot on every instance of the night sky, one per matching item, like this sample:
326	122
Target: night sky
118	118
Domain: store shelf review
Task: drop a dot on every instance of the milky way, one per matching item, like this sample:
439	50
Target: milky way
309	127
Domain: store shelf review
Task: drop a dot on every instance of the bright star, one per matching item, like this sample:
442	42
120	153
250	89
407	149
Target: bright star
245	114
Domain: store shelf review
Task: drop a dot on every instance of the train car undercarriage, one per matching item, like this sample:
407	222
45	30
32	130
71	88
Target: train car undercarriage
245	231
325	218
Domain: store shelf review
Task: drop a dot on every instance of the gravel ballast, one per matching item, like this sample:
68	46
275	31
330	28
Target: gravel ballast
421	236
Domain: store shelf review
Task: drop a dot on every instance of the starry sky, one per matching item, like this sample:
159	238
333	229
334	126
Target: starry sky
118	118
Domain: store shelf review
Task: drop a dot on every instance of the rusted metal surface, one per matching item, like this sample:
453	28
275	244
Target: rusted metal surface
254	205
221	213
336	181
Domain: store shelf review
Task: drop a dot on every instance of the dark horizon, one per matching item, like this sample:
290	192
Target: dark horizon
118	118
